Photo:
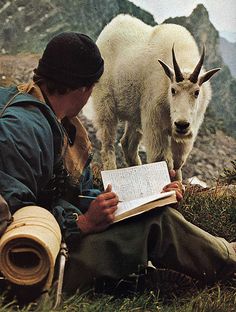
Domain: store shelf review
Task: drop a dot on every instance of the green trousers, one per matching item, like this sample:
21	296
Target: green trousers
162	236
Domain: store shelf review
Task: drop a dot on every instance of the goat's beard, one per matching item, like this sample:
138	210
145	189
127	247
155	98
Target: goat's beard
182	137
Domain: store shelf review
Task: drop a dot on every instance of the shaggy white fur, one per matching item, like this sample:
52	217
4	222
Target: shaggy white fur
162	106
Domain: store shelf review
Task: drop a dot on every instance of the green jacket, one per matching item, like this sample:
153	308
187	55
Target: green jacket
31	140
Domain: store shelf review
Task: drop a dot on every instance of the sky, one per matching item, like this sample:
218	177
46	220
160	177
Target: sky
222	13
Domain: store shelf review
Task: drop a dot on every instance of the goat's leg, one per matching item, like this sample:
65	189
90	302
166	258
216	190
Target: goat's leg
180	152
105	121
130	142
157	146
107	135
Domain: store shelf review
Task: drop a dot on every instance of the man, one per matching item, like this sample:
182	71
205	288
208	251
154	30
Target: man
44	161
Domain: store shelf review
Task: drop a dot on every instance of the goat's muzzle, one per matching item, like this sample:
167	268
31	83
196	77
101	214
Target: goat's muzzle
182	128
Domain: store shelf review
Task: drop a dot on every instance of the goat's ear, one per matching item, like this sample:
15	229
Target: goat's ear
169	72
207	75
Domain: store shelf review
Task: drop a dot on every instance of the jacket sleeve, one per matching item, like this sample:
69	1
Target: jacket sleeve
26	158
66	211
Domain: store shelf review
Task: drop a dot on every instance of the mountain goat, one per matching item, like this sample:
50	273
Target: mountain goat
162	106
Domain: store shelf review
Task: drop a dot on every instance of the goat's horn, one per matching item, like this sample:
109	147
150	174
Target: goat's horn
194	76
178	75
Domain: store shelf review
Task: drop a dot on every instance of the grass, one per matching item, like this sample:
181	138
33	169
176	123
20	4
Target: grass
212	210
215	300
219	298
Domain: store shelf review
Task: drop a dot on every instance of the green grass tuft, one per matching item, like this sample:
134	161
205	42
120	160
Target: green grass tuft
212	210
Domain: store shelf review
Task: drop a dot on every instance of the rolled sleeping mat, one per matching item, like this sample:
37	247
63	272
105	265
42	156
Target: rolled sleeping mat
29	247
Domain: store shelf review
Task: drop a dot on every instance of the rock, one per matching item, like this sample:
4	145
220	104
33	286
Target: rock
196	181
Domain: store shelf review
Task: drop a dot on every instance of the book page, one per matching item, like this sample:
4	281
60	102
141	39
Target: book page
137	182
131	204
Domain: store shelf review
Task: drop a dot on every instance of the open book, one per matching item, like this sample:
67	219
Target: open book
139	188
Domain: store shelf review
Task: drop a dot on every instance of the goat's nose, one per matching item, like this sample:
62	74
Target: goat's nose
182	126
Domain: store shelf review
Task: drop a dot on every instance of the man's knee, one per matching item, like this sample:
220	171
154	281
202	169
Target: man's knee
169	213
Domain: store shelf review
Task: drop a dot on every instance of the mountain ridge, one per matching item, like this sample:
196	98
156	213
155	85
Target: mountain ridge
228	52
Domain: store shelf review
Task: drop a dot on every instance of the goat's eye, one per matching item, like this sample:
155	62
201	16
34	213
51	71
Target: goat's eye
196	93
173	91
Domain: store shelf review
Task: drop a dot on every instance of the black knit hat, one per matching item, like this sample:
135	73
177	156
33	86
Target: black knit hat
71	59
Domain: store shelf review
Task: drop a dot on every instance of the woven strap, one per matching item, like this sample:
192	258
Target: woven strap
8	103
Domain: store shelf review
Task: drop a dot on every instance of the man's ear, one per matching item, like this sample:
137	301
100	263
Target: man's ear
88	88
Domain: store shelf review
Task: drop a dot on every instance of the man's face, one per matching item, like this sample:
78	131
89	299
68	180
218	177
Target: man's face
77	99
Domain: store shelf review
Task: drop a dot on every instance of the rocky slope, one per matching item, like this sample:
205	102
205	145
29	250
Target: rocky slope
15	69
27	25
228	52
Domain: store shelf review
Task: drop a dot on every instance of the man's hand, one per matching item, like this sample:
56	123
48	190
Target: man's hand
176	186
100	213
